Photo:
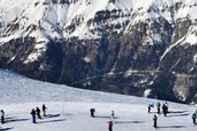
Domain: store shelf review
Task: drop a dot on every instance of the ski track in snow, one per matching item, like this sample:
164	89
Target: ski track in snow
69	108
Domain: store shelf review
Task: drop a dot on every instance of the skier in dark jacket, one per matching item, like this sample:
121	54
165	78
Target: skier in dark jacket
110	126
166	103
149	108
165	109
38	113
2	117
194	118
33	114
92	111
44	108
155	121
158	108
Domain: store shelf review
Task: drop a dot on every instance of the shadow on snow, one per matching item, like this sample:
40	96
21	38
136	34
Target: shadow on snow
5	129
50	121
128	122
178	115
105	117
9	120
171	127
52	115
177	112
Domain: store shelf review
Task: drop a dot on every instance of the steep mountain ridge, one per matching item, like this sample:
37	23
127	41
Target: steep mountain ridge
145	48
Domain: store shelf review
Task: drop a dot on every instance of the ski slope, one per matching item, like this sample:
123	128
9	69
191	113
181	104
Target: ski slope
68	108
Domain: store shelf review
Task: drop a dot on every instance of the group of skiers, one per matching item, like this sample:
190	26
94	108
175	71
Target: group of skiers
110	123
112	116
164	110
36	113
92	113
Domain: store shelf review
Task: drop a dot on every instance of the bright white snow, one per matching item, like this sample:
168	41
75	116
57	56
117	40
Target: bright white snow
52	19
68	108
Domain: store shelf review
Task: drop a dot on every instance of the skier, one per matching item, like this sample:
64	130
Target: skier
112	114
110	126
92	111
33	114
149	108
165	109
44	108
158	108
38	113
194	118
166	103
2	117
155	121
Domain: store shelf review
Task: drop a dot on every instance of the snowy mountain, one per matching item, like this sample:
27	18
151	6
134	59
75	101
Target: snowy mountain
68	108
50	19
144	48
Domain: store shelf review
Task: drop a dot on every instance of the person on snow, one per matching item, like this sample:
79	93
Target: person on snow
166	103
2	117
112	114
194	118
44	108
38	113
92	112
165	109
149	108
33	114
158	108
155	121
110	125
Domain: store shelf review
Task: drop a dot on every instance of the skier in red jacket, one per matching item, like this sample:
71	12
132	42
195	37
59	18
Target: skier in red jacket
110	126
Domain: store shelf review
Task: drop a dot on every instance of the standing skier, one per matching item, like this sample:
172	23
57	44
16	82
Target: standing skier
166	103
38	113
92	111
112	114
194	118
165	109
44	108
149	108
2	117
158	108
110	126
155	121
33	114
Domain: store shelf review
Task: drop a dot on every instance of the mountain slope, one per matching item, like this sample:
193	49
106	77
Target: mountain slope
68	108
143	48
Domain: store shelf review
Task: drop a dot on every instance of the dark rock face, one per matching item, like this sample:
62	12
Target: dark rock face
116	63
150	57
180	61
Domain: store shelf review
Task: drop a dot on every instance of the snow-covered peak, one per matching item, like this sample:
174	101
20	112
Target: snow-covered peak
68	18
53	17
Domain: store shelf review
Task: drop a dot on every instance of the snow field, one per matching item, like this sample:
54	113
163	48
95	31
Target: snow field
68	108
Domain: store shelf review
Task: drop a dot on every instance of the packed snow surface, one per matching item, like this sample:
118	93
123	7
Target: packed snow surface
68	108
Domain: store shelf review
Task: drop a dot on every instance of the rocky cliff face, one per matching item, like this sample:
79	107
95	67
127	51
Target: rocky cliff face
144	48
